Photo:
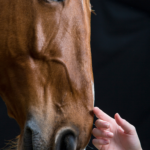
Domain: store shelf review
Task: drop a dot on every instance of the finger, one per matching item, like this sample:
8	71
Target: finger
101	115
102	124
99	142
126	126
98	146
102	133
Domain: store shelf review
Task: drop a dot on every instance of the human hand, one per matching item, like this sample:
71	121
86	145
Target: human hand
114	134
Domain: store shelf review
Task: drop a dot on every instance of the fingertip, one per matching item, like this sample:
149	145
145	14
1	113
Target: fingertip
97	112
93	141
117	115
125	125
93	130
95	109
118	118
101	115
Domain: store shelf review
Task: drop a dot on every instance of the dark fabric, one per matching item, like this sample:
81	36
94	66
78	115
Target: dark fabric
120	44
141	5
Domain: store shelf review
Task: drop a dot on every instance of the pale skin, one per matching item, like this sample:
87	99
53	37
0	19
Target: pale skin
114	134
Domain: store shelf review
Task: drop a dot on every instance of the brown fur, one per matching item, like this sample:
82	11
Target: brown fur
45	65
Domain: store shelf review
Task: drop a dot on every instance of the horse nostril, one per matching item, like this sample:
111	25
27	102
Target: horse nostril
66	141
28	139
32	138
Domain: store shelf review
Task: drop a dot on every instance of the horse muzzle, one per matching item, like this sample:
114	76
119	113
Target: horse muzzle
64	139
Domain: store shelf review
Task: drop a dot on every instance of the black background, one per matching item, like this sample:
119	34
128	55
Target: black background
120	43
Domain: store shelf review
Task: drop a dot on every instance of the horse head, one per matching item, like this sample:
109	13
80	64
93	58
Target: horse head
46	78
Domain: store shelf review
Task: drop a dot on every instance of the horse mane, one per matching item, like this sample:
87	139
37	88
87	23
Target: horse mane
11	144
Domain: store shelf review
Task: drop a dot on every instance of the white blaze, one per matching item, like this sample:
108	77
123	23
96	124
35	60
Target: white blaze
82	4
40	36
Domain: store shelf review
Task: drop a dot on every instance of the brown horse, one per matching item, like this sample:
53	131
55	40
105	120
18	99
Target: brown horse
46	75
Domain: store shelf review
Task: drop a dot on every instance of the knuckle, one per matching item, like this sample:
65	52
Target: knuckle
93	131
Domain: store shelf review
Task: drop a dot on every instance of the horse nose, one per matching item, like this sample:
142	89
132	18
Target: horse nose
66	140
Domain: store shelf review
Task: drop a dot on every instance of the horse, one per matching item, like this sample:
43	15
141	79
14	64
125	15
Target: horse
46	78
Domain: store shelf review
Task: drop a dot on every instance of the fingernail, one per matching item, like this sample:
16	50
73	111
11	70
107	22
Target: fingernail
110	134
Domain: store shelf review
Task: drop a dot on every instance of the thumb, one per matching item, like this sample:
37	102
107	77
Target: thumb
126	126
